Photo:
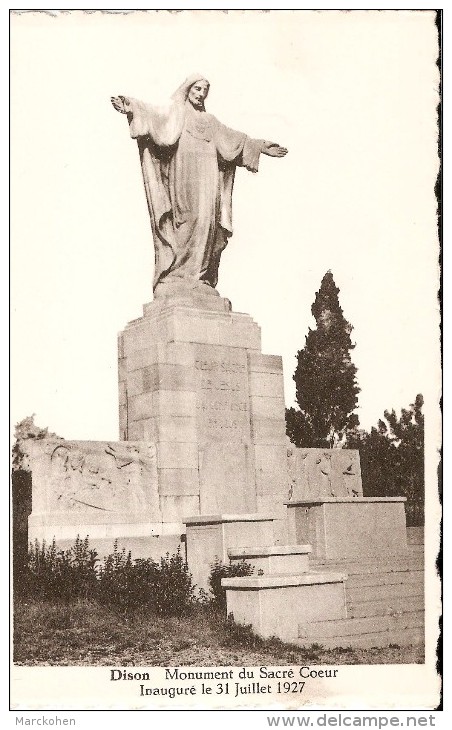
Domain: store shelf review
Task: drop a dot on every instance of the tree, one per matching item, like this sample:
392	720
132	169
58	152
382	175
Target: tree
325	377
392	458
27	429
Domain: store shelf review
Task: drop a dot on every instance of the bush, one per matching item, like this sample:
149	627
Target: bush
221	570
163	587
60	575
119	583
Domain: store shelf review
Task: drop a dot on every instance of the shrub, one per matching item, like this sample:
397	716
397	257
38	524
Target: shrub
115	584
119	583
163	587
221	570
60	574
174	592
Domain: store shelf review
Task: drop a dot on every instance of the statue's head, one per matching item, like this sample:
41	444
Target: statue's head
198	93
194	90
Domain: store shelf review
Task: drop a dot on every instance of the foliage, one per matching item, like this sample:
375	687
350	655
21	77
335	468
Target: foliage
392	458
60	575
122	585
221	570
325	377
163	587
27	429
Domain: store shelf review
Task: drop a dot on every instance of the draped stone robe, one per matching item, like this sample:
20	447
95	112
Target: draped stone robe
188	160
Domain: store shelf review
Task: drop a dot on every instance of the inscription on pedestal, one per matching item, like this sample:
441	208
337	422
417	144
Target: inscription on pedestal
222	406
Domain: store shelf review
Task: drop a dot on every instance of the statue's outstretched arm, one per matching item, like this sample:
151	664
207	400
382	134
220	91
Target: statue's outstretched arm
273	149
119	104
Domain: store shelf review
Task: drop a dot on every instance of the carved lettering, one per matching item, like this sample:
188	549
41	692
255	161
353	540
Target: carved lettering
223	395
220	366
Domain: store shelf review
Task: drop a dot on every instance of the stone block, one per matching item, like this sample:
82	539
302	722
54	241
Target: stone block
274	560
149	429
135	431
140	336
274	504
268	385
268	430
177	353
122	368
141	358
265	407
174	402
340	529
210	536
175	506
259	363
275	605
168	377
240	334
271	470
226	474
178	482
120	346
184	326
177	455
122	393
176	428
271	457
123	430
140	407
135	383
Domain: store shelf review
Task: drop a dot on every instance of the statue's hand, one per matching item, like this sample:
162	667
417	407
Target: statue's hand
273	149
118	104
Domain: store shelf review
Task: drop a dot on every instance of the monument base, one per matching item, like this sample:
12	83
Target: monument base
339	529
275	605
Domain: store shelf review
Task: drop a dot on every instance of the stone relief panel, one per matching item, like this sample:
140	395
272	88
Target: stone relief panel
323	473
94	475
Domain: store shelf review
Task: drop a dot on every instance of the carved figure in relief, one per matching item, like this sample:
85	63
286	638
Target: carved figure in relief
103	477
188	160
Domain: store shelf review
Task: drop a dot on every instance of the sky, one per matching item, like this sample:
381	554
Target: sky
353	97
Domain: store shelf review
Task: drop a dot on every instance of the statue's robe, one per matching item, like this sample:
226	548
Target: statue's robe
188	160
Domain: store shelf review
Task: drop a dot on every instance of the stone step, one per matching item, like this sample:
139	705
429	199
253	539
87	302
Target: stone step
415	535
405	637
372	566
347	627
385	606
275	559
394	578
359	594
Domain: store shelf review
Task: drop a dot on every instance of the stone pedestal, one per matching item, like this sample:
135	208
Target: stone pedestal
209	537
276	605
339	529
192	380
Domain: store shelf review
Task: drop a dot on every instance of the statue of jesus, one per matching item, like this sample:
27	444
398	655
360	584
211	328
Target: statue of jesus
188	159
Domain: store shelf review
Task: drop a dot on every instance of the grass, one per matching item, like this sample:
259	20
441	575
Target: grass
86	634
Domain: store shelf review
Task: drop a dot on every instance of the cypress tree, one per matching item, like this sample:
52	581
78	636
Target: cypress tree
325	376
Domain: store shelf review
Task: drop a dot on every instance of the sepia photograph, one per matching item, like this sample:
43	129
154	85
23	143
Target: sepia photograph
225	359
